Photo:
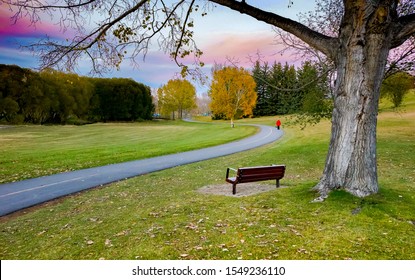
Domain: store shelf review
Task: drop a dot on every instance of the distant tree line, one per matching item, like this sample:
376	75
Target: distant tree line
284	89
120	100
54	97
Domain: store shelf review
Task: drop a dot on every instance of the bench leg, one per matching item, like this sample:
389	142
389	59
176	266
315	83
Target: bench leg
278	183
233	188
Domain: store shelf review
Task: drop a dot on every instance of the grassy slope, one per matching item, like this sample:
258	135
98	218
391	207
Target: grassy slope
33	151
162	216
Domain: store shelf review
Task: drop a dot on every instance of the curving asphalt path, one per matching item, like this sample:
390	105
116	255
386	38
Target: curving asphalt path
23	194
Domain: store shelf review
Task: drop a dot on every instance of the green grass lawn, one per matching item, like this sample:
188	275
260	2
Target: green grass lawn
163	216
33	151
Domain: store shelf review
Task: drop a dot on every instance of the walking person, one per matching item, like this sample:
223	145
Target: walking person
278	124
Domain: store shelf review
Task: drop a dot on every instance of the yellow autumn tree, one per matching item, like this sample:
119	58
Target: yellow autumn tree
232	93
176	96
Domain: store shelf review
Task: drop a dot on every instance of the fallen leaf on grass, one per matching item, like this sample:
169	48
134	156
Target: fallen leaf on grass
154	214
296	232
66	226
122	233
192	226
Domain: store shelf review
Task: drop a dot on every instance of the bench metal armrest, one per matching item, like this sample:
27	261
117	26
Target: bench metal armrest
227	171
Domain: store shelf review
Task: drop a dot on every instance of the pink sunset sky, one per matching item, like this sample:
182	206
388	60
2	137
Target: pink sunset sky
221	34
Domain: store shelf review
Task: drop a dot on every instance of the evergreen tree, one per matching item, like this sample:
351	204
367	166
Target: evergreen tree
285	89
261	74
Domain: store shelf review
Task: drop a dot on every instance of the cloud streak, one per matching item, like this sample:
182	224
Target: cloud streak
24	28
241	47
15	35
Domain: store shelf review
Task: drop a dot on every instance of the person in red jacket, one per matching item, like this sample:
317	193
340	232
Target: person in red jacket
278	124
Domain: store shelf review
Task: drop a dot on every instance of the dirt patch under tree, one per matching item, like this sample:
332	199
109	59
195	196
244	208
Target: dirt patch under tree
242	190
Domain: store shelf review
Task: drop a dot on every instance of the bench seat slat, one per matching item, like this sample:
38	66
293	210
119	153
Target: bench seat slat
275	173
258	178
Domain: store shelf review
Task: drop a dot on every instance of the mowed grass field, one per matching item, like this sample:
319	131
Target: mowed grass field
163	215
33	151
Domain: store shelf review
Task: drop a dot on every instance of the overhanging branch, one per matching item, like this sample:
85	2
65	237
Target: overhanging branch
41	6
325	44
405	29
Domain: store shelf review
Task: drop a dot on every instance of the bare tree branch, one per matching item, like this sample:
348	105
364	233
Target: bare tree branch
325	44
402	58
326	18
120	28
41	5
405	29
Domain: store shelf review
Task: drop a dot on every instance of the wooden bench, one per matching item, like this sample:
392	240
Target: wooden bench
254	174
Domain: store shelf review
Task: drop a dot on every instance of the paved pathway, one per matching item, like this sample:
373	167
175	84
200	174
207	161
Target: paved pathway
22	194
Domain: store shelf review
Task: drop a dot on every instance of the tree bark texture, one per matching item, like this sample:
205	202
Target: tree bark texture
365	39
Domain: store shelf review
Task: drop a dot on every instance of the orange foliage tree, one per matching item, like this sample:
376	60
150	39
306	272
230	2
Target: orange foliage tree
232	92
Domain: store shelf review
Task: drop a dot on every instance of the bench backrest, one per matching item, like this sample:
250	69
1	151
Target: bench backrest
252	174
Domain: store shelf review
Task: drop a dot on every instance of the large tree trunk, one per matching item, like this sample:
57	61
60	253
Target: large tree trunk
351	161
